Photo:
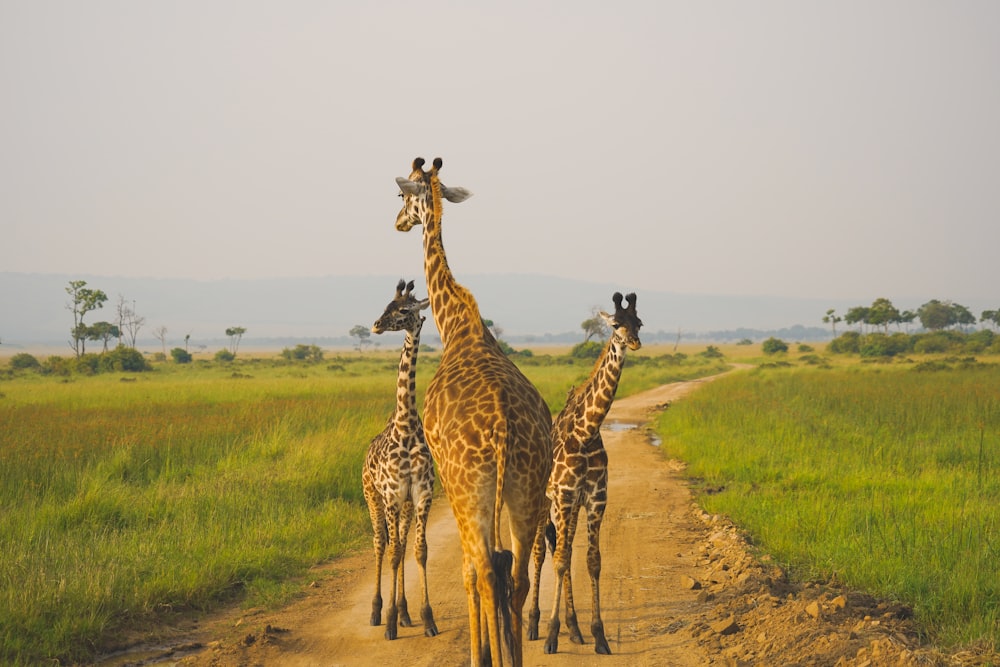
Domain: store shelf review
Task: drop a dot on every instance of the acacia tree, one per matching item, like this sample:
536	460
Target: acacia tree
882	313
363	334
82	301
936	315
594	326
832	318
963	316
991	316
235	334
857	314
906	317
103	331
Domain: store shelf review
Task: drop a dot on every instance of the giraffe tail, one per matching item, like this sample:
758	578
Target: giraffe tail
500	439
503	565
550	536
503	559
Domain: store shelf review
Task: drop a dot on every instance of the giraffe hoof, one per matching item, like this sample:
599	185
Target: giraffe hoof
600	642
430	627
404	615
390	623
533	617
552	641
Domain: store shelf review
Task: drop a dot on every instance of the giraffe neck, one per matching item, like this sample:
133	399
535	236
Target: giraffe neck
456	312
593	399
406	418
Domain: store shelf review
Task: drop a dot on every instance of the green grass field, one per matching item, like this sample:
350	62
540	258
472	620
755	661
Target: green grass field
886	477
130	497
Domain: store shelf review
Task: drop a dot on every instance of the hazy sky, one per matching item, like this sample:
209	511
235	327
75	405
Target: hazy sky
833	149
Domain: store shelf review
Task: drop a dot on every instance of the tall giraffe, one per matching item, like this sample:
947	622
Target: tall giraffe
489	431
398	476
579	479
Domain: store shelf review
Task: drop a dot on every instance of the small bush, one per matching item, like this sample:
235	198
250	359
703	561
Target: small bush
881	345
124	358
224	355
590	349
774	346
87	364
979	341
24	361
303	353
180	355
848	342
932	343
56	365
711	352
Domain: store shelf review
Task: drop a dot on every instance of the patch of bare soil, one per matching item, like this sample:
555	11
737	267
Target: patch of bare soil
679	588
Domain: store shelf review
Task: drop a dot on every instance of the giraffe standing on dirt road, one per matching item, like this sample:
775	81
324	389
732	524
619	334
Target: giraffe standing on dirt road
398	476
579	480
489	431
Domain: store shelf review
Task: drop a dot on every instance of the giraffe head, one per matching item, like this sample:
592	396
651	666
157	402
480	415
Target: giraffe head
422	193
625	324
403	312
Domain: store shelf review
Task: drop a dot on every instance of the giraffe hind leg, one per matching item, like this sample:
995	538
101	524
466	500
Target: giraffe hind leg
379	538
405	520
420	555
564	512
538	556
395	557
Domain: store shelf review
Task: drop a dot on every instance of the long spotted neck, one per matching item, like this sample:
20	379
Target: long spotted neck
456	312
592	400
406	418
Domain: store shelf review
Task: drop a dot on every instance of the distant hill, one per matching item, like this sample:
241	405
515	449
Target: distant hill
279	311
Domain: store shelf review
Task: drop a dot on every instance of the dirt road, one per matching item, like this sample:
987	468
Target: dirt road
679	588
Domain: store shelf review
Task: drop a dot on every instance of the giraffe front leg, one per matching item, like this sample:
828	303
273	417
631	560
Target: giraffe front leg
572	625
594	519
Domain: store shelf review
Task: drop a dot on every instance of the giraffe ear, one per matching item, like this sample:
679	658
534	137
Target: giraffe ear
423	304
406	186
608	319
454	195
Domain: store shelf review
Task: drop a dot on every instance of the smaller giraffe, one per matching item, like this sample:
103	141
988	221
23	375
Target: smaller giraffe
398	476
579	479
